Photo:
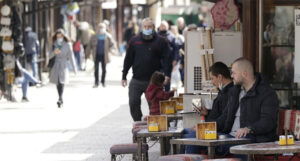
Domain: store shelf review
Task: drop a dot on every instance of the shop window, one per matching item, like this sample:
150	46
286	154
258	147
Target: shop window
278	38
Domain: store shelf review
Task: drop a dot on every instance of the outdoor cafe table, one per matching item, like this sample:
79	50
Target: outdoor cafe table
144	133
211	144
265	148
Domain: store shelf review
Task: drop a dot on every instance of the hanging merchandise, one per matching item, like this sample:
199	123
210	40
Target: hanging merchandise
224	13
70	9
10	76
8	62
5	32
7	46
5	21
5	10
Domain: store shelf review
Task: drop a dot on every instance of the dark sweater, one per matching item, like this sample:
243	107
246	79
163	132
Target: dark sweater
146	57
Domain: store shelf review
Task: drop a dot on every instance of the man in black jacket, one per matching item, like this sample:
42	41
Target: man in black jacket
146	53
220	78
252	106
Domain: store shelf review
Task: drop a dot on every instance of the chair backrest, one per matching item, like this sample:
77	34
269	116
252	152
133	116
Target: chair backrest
289	120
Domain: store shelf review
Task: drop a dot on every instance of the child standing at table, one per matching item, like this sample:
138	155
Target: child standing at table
155	92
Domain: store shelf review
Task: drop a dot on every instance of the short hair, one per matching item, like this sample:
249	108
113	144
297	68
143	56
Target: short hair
220	68
165	23
157	78
244	65
147	19
102	25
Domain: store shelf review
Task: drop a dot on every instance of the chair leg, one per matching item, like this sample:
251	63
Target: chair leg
113	157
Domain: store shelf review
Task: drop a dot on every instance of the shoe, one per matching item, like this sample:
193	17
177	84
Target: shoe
95	86
59	103
25	99
103	85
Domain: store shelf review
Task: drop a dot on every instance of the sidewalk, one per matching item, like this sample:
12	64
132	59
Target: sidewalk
83	130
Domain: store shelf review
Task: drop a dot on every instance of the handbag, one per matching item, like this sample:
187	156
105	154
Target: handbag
51	62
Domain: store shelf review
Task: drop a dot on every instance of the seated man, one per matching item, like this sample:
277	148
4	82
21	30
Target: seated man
220	78
252	107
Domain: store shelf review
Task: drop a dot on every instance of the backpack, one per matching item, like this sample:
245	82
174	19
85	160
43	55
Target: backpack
77	46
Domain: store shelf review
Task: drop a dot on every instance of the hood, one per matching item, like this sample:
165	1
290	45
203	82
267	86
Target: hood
151	91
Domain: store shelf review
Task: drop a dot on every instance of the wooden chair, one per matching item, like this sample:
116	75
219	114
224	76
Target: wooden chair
119	149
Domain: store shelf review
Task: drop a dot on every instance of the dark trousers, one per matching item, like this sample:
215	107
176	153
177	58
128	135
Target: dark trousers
136	89
100	59
60	90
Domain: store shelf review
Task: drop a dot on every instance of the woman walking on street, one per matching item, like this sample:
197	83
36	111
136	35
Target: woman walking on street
62	52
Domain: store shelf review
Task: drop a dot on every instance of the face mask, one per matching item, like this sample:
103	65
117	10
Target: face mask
60	40
163	32
102	31
147	32
221	86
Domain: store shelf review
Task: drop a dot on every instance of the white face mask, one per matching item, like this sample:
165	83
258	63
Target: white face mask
221	86
102	31
60	40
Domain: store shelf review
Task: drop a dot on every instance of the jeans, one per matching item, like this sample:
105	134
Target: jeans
78	60
190	149
27	77
34	64
100	58
136	89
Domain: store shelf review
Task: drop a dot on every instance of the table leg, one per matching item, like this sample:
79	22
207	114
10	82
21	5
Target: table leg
139	152
162	141
174	148
211	152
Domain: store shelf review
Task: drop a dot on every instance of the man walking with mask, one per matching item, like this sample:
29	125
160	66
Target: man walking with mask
102	44
146	53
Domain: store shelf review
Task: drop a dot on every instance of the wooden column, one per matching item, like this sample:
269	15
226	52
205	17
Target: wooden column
251	31
120	19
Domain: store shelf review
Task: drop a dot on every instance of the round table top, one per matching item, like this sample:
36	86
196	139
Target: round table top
265	148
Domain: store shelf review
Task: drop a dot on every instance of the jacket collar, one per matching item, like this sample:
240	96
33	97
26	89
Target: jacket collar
226	88
258	80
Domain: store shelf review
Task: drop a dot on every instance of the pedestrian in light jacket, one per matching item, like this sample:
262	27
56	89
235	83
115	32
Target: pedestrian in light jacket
102	45
63	52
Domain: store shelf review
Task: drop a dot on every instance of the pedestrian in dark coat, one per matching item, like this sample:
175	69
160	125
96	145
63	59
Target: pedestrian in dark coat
155	92
146	54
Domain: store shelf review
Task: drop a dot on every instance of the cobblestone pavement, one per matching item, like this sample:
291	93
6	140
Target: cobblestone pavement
91	120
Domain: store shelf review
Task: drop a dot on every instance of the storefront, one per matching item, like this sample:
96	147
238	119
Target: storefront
268	28
10	44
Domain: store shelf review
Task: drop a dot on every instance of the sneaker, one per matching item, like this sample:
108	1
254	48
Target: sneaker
25	99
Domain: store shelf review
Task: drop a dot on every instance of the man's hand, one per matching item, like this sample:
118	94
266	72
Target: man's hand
124	83
201	110
242	132
167	80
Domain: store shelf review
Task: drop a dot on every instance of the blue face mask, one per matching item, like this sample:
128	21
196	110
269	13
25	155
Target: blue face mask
147	32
